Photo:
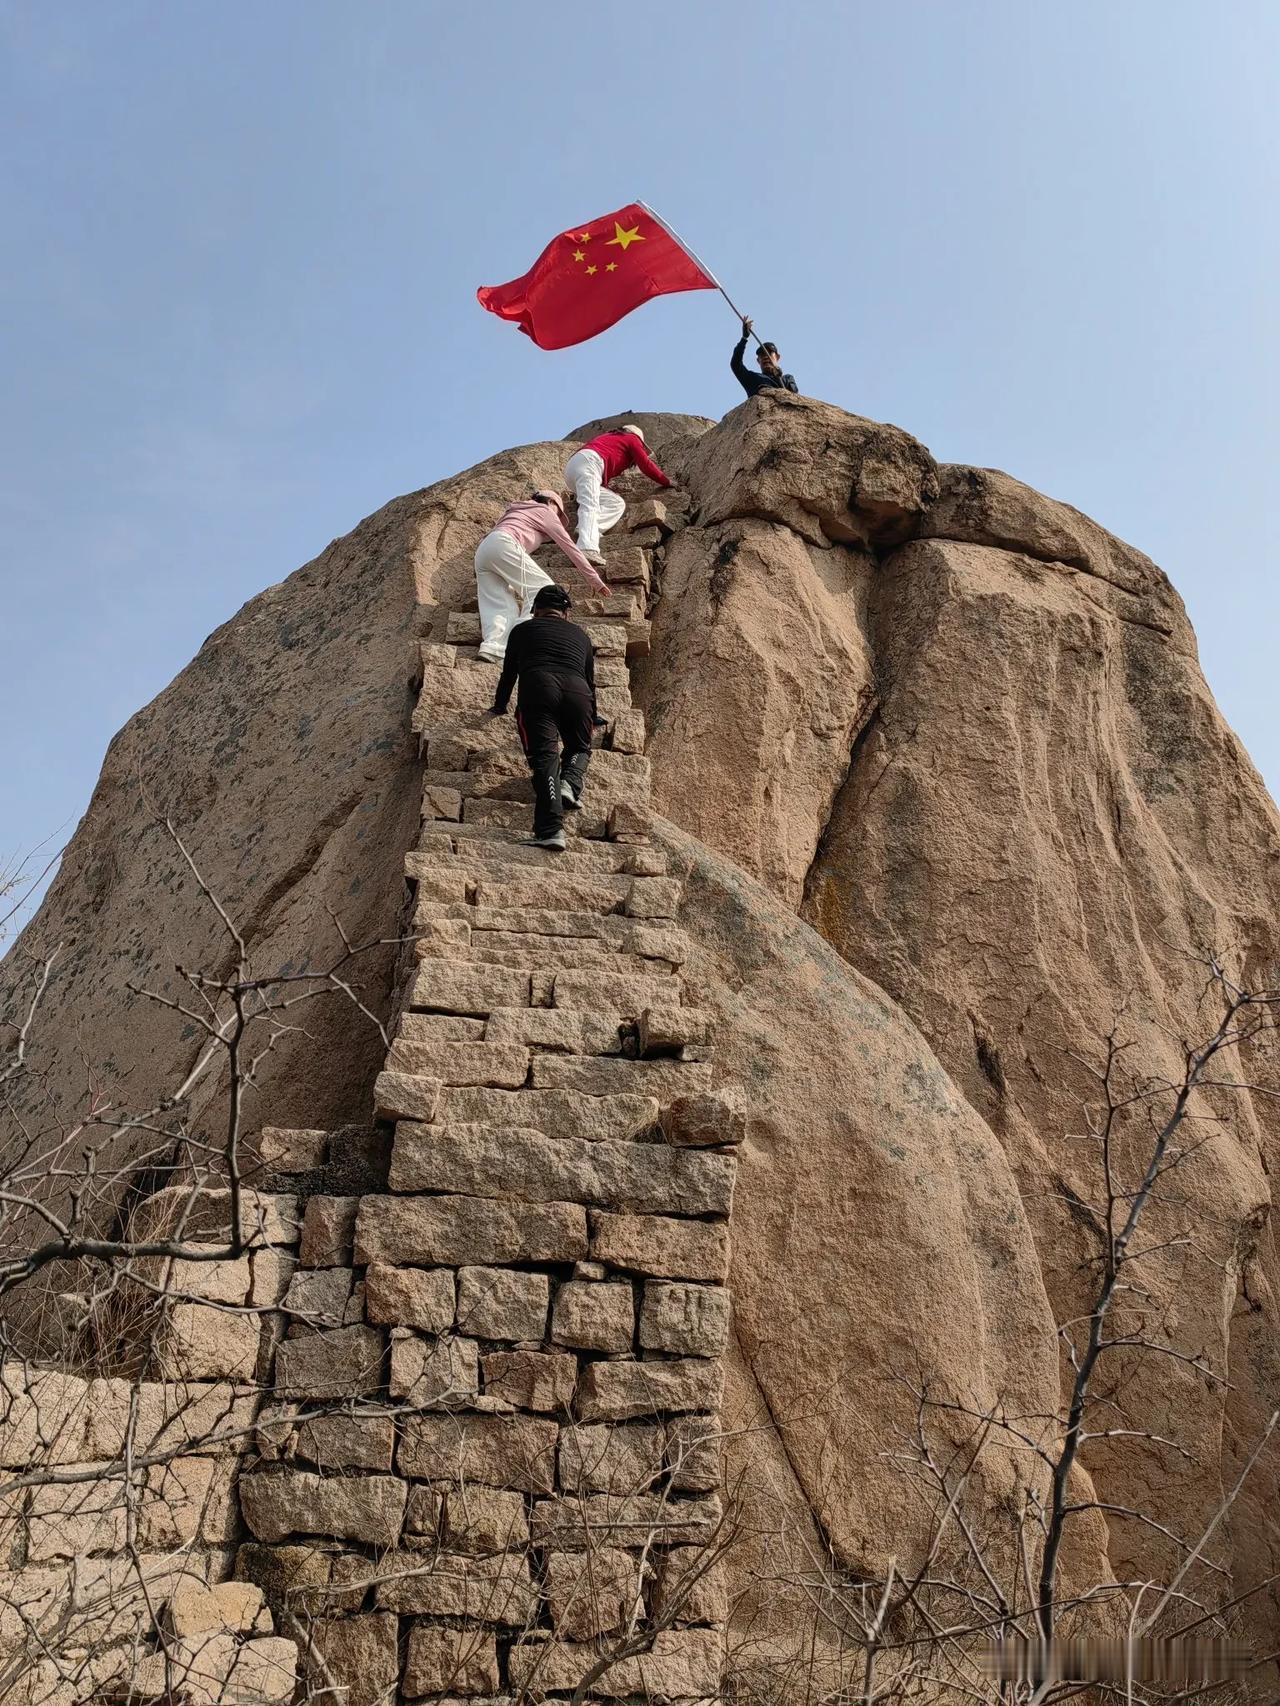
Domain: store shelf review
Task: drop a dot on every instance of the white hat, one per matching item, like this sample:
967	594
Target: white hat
632	427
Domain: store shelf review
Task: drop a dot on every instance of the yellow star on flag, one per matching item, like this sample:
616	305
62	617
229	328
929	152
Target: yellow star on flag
584	236
591	271
578	255
624	239
612	267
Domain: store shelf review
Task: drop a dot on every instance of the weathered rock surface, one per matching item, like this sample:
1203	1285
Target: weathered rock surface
945	786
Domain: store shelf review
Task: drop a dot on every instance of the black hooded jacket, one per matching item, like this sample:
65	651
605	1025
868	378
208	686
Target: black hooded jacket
753	382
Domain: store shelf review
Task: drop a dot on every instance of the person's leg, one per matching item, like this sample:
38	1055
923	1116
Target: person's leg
575	728
537	712
532	582
498	574
583	473
611	508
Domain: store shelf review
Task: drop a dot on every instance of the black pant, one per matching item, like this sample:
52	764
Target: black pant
551	710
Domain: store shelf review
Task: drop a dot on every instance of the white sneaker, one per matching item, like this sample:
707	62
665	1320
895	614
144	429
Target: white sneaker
595	558
568	799
489	657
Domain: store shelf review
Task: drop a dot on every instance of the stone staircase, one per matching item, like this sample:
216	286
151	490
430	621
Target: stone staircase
464	1385
497	1473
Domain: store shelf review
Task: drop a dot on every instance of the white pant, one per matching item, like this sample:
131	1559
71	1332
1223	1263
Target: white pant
506	580
599	509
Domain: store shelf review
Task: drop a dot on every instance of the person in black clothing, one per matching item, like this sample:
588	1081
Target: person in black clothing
554	661
770	377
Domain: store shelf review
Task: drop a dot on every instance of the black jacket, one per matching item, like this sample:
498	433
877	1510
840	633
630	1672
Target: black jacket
753	382
546	642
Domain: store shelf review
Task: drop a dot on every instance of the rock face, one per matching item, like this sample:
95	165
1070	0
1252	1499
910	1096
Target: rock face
946	790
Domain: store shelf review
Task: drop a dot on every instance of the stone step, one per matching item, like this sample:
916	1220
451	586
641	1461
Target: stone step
557	1113
497	1065
655	941
481	850
523	1164
552	960
626	995
557	1029
662	1078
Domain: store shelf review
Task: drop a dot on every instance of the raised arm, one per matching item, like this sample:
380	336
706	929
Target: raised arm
741	372
556	533
510	670
645	463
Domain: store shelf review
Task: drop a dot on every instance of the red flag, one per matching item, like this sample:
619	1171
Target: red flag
586	279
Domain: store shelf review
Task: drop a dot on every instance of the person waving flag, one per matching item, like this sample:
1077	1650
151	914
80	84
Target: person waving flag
587	278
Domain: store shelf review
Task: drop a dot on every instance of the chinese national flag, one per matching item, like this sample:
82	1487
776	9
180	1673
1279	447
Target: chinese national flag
586	279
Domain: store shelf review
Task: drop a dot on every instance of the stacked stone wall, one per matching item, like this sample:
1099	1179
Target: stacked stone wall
471	1367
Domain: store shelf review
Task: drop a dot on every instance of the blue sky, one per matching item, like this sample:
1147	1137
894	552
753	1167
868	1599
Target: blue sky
244	241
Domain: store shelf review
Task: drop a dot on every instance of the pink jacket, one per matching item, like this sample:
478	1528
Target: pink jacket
532	524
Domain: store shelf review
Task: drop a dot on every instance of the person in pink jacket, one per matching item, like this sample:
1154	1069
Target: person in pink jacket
507	578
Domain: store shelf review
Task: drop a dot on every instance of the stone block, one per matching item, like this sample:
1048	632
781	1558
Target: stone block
458	987
462	628
346	1441
501	814
278	1503
188	1501
221	1280
444	803
502	1303
362	1654
203	1215
237	1608
440	1028
550	1028
629	731
689	1589
592	1593
643	861
309	1580
595	1075
531	1380
683	1664
665	1030
557	1113
586	1521
344	1363
327	1229
45	1418
661	1247
442	1584
690	1320
703	1121
320	1297
468	1518
433	1371
693	1453
591	1317
628	820
659	943
399	1096
422	1298
73	1520
456	1230
170	1416
198	1341
496	1451
654	897
281	1150
450	1661
592	1271
611	1459
439	939
552	892
272	1272
627	996
485	1063
481	1161
621	1391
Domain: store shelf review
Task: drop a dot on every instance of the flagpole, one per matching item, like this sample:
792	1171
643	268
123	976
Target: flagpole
676	238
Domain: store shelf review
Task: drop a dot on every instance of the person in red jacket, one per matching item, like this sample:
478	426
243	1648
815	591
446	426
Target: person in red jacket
588	473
